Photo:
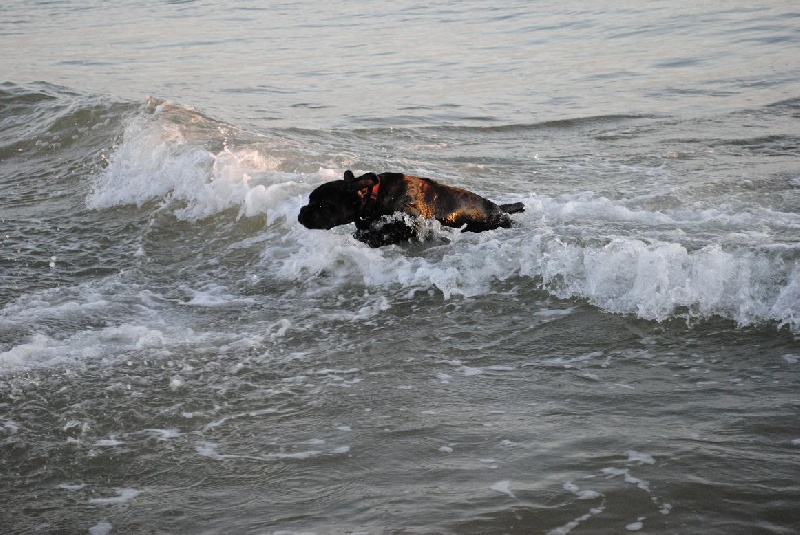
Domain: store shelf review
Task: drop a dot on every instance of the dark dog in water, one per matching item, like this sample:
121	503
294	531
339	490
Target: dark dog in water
373	201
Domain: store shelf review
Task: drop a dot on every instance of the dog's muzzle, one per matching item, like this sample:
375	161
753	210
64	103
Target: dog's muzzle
311	219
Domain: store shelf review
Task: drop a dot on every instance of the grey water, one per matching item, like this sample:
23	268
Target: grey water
179	355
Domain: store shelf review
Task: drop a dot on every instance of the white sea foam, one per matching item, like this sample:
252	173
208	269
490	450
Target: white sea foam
210	450
581	494
627	477
43	350
503	487
470	371
108	443
642	458
215	296
101	528
651	279
372	308
636	526
72	487
572	524
444	378
123	495
161	434
160	159
85	304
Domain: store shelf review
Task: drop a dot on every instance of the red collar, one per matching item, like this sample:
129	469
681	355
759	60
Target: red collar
373	194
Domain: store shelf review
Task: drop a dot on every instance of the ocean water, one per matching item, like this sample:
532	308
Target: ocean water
179	355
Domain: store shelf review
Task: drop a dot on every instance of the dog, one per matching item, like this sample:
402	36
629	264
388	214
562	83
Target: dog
376	203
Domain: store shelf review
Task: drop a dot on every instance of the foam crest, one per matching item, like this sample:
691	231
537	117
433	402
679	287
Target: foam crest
162	159
652	279
339	257
151	160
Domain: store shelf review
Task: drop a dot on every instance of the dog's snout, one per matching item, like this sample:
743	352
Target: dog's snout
310	218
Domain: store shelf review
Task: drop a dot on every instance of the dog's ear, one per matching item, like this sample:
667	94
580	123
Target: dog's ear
349	176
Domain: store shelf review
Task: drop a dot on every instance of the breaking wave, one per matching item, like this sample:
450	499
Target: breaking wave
623	258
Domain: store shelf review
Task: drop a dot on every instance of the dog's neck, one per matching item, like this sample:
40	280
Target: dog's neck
369	195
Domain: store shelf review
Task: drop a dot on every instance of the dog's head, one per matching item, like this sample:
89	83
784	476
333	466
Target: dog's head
335	203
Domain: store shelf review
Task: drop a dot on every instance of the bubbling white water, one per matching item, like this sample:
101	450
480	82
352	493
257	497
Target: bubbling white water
159	159
653	280
655	264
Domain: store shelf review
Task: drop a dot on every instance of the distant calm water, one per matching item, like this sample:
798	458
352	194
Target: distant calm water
179	355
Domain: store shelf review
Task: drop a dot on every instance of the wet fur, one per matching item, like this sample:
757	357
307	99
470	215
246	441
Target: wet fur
369	200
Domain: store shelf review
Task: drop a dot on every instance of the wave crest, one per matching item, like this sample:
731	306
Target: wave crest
183	159
654	281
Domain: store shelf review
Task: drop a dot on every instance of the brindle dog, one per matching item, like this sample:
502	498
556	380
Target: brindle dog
370	201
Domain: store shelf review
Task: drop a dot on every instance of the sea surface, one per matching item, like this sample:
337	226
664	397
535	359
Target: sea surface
179	355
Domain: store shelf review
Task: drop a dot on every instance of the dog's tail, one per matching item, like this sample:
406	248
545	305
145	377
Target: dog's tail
513	208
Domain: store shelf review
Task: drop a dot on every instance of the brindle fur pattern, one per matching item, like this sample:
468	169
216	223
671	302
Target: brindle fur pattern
371	200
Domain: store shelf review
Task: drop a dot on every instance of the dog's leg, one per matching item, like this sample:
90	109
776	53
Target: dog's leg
502	220
388	233
513	208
